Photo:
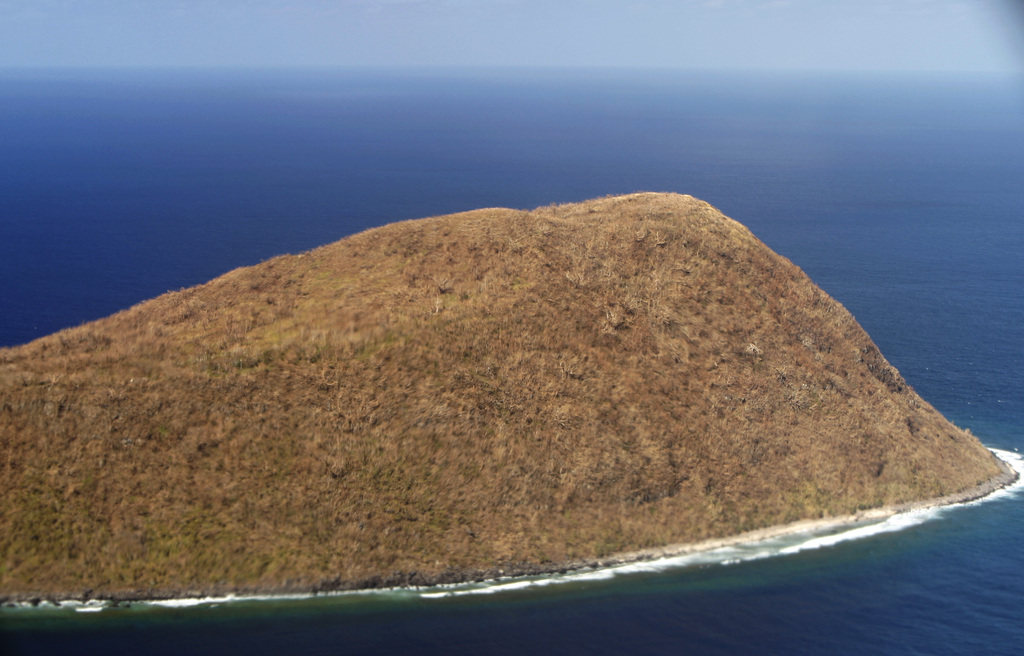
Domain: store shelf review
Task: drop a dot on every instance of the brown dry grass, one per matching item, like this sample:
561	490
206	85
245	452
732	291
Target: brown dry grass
458	392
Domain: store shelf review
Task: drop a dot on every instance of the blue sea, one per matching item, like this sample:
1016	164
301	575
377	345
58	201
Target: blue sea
900	195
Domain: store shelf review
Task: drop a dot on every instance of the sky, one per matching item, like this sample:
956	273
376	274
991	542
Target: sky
869	35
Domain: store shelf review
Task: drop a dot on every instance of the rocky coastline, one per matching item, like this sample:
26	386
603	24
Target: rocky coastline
474	396
415	579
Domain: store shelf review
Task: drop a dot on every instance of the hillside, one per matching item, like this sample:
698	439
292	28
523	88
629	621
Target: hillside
433	399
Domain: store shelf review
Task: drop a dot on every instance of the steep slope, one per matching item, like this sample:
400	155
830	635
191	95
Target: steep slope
452	394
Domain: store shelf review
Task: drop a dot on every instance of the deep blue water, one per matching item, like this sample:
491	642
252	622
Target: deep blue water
901	196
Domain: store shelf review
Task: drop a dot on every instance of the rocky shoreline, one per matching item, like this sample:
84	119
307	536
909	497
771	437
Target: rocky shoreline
415	579
471	390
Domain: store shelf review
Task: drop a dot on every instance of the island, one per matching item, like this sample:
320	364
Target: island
483	394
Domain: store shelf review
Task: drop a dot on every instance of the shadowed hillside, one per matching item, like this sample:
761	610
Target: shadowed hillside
432	399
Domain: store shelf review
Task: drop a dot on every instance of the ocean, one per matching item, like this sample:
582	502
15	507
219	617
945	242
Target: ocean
900	195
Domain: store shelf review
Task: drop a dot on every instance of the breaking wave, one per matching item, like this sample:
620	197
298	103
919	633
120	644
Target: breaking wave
821	537
785	545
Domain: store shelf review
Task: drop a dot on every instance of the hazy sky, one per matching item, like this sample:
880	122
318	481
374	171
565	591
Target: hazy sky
961	35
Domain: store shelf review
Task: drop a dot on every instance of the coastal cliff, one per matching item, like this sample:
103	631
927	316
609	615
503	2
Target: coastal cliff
491	391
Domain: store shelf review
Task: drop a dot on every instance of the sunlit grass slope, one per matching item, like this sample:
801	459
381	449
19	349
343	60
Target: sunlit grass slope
452	394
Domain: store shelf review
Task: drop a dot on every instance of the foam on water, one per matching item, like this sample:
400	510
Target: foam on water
782	545
1016	462
212	601
895	523
744	552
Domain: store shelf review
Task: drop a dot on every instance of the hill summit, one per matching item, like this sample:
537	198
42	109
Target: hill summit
496	390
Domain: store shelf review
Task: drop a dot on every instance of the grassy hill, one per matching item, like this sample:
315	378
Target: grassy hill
492	389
